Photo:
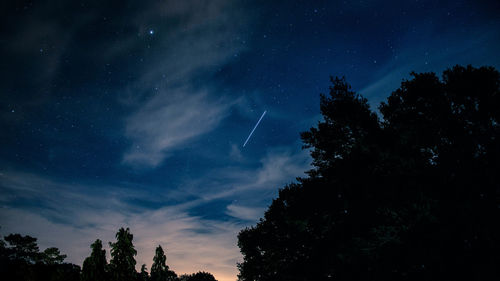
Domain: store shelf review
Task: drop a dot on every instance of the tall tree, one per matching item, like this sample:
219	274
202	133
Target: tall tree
94	266
160	270
122	263
143	275
409	197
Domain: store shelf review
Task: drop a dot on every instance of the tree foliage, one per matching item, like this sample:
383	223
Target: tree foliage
122	263
199	276
52	256
160	270
143	275
410	194
23	248
94	266
20	259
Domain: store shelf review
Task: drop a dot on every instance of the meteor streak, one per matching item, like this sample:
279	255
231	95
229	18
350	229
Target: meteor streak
254	128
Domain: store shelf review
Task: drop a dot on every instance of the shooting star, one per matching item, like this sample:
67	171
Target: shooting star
255	127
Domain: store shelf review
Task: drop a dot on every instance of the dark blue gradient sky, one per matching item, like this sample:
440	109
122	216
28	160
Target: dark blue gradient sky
134	113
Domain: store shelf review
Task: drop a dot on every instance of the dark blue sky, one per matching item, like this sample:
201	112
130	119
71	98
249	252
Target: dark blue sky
134	113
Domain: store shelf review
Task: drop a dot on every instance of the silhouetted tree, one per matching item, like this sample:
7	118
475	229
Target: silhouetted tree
20	259
199	276
23	248
94	266
160	270
52	256
122	263
412	196
143	275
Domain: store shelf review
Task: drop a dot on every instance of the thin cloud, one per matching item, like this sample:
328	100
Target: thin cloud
192	243
170	121
279	167
83	213
245	212
171	111
235	153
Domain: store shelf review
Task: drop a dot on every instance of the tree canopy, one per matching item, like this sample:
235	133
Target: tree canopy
21	259
143	275
94	266
52	255
199	276
160	270
23	248
122	263
409	193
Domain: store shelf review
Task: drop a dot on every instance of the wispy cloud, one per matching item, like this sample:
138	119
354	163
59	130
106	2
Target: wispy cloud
279	167
235	153
172	111
244	212
192	243
49	209
169	121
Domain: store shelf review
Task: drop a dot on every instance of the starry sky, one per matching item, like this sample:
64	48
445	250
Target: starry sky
134	113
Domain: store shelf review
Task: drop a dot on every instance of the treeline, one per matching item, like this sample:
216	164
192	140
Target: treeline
411	192
21	259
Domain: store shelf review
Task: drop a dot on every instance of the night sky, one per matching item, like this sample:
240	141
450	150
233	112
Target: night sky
134	113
